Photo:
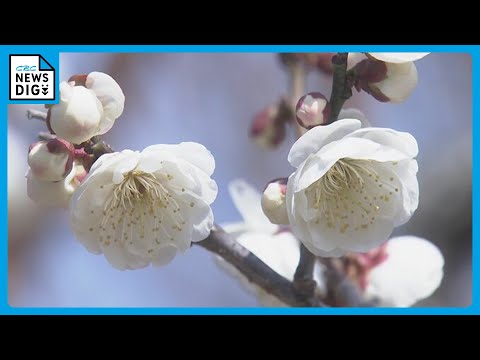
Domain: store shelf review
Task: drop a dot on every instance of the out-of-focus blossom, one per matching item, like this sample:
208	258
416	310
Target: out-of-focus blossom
277	248
54	194
51	160
406	269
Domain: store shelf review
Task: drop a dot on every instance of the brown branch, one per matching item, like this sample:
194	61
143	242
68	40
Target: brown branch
342	292
255	270
341	85
303	278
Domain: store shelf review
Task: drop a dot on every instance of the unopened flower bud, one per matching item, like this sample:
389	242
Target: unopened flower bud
89	105
54	194
273	202
51	160
386	82
312	109
268	127
77	117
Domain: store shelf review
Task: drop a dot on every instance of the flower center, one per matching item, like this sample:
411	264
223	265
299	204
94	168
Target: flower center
352	193
141	213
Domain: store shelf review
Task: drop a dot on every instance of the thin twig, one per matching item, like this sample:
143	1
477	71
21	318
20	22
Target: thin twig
36	114
255	270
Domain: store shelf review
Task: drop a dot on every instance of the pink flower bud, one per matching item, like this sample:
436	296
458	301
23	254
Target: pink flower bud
386	82
51	160
312	109
268	126
273	202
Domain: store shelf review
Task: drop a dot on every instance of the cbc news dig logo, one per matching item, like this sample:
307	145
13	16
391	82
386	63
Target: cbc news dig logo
31	78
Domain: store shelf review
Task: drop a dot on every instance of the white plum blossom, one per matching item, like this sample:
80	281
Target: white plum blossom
276	247
89	105
399	57
139	208
51	160
412	271
351	186
54	193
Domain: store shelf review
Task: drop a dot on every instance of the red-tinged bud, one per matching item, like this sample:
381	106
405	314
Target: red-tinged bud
51	160
273	201
386	82
312	109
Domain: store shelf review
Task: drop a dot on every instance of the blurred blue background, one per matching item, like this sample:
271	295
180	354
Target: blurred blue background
211	99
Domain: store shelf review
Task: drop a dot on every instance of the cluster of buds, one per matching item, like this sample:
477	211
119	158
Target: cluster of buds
89	105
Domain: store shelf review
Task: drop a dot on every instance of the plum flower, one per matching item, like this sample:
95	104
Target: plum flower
412	271
352	186
139	208
89	105
277	248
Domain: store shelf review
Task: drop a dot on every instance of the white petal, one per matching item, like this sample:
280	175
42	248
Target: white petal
50	194
110	95
77	118
193	152
406	171
398	57
122	260
314	139
247	200
412	271
201	220
126	165
195	181
281	252
66	91
165	256
349	147
401	141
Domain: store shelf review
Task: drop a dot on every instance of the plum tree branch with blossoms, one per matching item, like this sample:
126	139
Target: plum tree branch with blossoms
317	238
